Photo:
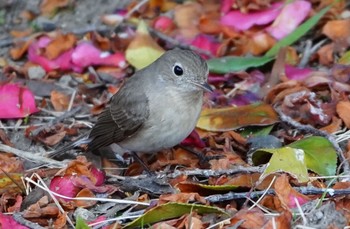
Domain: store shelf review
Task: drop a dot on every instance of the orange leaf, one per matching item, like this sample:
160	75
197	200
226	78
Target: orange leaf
60	44
60	101
343	108
287	195
224	119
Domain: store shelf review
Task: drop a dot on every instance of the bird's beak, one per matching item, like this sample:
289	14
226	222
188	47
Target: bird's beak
205	86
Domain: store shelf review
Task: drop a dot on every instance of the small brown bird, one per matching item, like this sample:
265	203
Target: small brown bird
156	108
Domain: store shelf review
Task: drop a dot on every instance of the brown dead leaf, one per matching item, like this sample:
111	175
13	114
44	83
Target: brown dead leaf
59	100
5	139
85	192
48	7
228	161
250	180
61	220
187	18
10	164
334	126
230	118
181	198
343	108
21	33
325	54
283	220
80	166
338	31
20	49
252	219
191	220
54	139
59	44
287	195
103	43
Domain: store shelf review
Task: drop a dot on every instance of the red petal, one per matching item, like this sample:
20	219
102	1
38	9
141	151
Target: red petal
242	21
64	186
6	221
18	101
289	19
194	140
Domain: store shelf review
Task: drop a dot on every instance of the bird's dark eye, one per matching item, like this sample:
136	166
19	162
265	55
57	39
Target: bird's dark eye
178	70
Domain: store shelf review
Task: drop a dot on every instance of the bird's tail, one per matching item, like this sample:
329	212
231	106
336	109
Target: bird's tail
84	139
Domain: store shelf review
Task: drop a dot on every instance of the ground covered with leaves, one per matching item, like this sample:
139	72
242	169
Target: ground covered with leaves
271	146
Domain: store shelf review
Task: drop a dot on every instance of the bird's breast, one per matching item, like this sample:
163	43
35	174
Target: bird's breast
173	115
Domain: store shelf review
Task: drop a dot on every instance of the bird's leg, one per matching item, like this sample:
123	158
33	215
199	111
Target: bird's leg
139	160
203	160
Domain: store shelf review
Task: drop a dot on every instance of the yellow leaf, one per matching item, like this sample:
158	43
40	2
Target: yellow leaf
143	50
224	119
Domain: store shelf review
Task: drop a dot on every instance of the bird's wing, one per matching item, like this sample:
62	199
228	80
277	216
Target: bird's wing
127	111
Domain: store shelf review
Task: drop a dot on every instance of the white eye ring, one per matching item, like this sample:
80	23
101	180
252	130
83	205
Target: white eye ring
178	69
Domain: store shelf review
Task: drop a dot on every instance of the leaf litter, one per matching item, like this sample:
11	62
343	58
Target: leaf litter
280	70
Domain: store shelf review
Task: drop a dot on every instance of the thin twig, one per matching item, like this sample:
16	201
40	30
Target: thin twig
303	190
19	219
34	157
195	172
56	120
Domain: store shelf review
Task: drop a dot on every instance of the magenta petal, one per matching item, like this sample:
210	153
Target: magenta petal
62	62
243	21
289	19
295	73
18	101
163	23
116	60
226	5
64	186
7	221
194	140
206	43
85	54
100	175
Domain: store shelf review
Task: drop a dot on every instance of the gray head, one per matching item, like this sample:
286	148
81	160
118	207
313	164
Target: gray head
184	68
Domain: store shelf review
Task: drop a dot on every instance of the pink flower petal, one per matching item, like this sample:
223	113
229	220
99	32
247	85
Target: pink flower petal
194	140
62	62
85	54
163	23
289	18
295	73
6	221
18	101
100	175
64	186
82	56
206	43
226	5
243	21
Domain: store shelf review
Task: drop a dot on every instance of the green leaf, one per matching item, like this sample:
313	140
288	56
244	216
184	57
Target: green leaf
205	190
235	63
171	210
81	224
345	59
285	159
320	155
256	131
297	33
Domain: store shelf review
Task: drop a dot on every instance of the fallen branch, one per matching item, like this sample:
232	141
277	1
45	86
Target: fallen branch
303	190
30	156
